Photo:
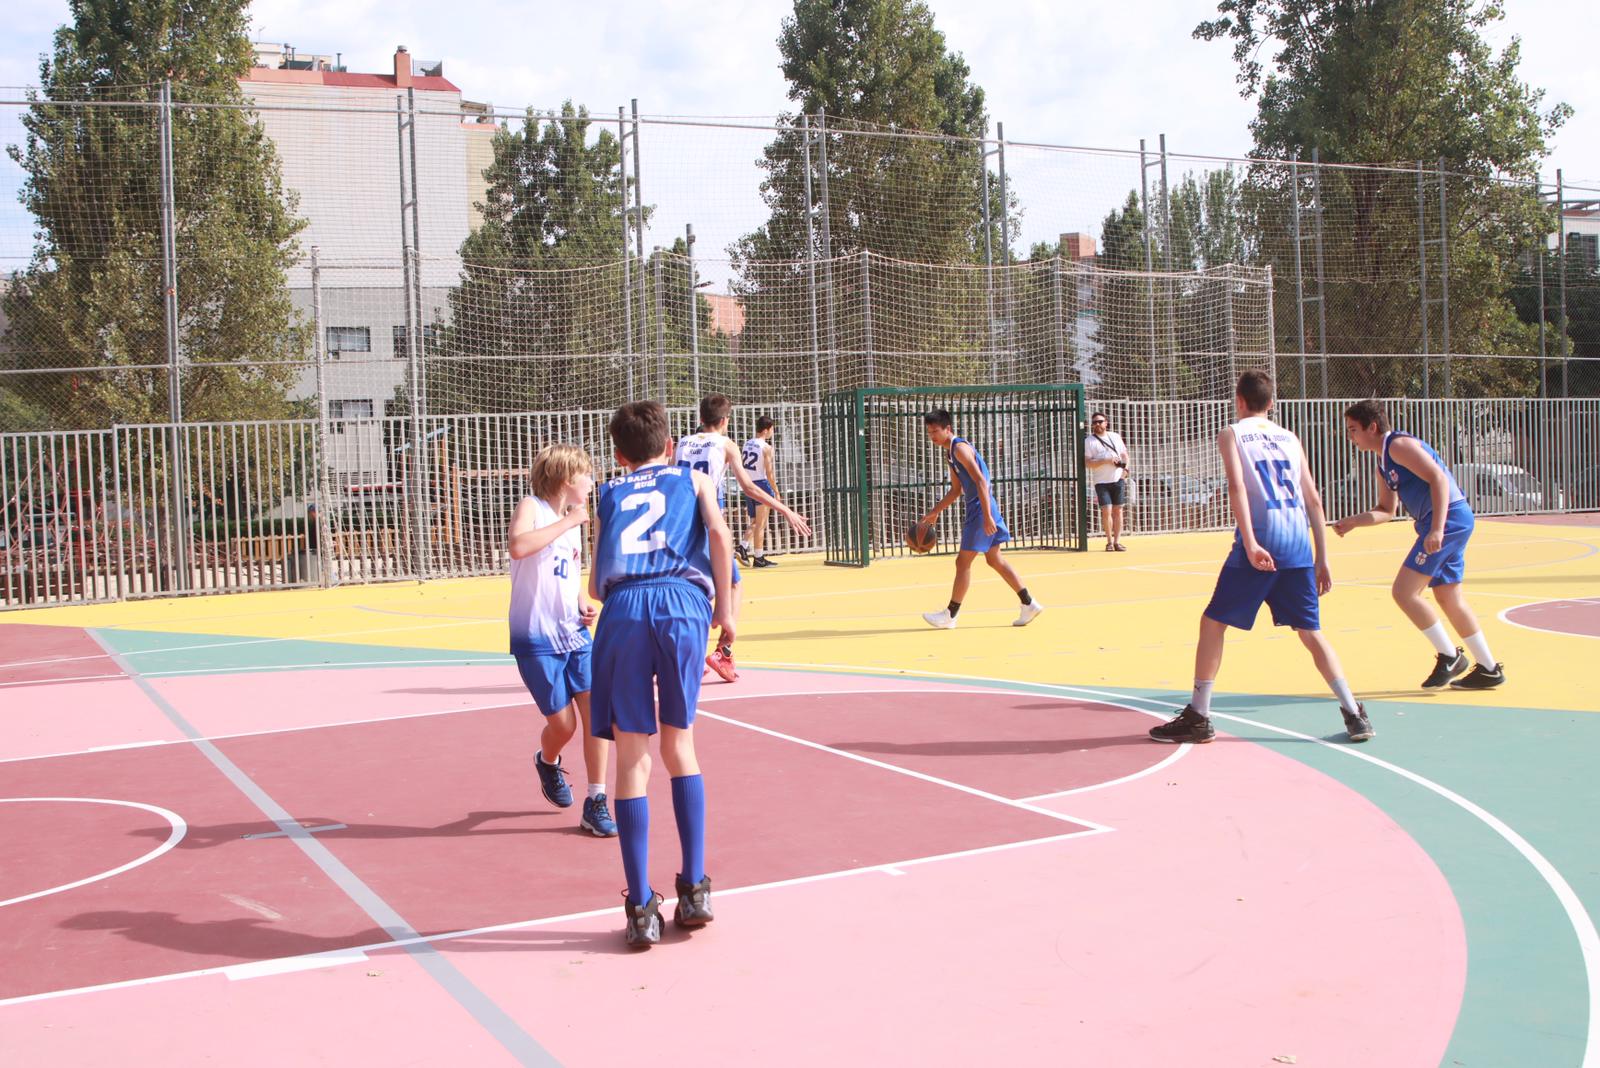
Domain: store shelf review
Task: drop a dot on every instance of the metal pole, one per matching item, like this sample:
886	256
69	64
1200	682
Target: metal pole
1422	276
811	260
1322	293
827	253
1060	320
988	256
1299	273
404	118
319	354
866	312
1171	286
661	329
1544	365
1561	284
1005	244
177	503
638	218
627	254
1149	266
694	310
1444	277
1233	338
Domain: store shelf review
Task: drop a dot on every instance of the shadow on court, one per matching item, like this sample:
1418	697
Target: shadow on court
205	837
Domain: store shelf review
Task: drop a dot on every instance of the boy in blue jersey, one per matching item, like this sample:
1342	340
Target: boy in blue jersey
662	552
983	530
1279	558
1410	472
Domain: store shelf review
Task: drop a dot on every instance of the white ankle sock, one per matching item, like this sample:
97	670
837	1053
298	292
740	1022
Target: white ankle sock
596	789
1347	700
1440	639
1200	699
1478	646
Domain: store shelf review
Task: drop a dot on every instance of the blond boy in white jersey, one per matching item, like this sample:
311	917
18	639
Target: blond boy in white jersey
550	619
710	451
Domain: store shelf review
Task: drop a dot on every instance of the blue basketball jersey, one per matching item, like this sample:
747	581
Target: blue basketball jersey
1414	491
1273	461
969	488
651	528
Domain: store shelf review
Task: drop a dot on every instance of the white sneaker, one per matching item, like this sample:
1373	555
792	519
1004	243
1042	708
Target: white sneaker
1030	612
942	619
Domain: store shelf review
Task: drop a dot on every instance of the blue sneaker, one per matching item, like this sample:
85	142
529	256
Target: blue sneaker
553	781
597	817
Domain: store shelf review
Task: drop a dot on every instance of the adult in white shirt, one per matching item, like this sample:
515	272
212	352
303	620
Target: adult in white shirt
1106	458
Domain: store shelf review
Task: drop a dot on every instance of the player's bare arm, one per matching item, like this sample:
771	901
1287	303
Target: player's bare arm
594	554
964	457
748	487
1233	467
719	540
527	537
1388	504
946	501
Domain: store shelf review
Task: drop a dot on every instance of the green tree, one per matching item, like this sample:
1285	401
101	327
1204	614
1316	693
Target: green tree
539	305
1372	83
881	71
92	297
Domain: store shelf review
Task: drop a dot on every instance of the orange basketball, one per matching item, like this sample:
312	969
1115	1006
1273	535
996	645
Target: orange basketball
920	537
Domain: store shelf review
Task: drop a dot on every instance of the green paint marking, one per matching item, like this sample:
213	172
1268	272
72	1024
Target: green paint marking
157	653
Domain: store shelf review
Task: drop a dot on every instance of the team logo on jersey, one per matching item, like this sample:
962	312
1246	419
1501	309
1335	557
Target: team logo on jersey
1422	558
1394	478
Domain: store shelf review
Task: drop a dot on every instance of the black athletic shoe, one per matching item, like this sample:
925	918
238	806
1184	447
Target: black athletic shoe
1445	668
762	561
644	921
1357	725
1186	726
1481	678
694	903
742	553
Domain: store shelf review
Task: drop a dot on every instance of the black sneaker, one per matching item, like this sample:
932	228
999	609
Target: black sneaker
762	561
1481	678
1357	725
741	551
694	903
644	921
1186	726
1445	668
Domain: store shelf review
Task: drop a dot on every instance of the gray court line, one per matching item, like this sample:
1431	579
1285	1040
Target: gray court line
479	1005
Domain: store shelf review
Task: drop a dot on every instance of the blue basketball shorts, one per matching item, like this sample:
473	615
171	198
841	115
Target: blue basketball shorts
554	679
973	538
1448	566
1291	593
650	644
750	503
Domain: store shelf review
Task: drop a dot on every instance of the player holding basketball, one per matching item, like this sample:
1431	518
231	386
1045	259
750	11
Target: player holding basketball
1410	472
756	458
662	552
1279	558
983	530
711	452
550	621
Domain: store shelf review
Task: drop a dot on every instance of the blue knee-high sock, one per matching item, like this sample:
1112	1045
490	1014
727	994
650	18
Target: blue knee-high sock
633	831
689	806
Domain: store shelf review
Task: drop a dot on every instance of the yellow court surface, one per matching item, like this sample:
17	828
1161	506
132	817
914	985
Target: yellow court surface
1123	620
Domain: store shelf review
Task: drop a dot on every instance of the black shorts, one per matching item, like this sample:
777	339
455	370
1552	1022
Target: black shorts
1110	494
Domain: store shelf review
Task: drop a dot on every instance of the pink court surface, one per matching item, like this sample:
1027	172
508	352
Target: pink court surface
304	828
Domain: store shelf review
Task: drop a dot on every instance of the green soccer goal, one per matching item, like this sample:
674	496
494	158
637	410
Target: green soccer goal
881	473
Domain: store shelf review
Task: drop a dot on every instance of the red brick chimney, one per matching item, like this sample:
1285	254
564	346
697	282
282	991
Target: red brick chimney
402	68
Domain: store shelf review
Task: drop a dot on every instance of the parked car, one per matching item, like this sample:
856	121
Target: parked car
1501	488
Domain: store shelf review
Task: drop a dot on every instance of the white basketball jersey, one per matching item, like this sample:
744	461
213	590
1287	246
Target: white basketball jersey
544	593
1273	461
754	456
706	452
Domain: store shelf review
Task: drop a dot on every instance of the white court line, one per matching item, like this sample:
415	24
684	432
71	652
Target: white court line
1503	617
1151	770
179	829
320	960
257	969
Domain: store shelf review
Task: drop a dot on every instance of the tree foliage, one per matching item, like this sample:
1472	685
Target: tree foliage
92	297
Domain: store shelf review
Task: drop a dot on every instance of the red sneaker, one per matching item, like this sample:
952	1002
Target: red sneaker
721	661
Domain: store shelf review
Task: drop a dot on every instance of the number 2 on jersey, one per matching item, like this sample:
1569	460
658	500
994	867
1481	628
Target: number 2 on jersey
634	539
1270	471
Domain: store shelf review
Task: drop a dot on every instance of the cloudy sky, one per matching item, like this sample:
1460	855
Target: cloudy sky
1054	72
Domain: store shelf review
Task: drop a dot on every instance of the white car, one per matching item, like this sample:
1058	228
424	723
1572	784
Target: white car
1501	488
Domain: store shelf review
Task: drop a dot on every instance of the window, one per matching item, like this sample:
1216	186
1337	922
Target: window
341	410
430	334
1585	248
348	339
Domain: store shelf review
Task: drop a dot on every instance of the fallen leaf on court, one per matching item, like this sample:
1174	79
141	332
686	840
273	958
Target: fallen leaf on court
374	974
1285	1058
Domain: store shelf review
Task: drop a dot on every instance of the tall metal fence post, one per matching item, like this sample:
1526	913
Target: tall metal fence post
1299	273
1171	284
1422	279
627	253
1544	305
325	553
406	117
1060	331
638	233
1005	246
811	261
1232	335
694	311
1316	247
866	315
1561	283
1149	267
661	328
177	499
988	257
827	254
1444	278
